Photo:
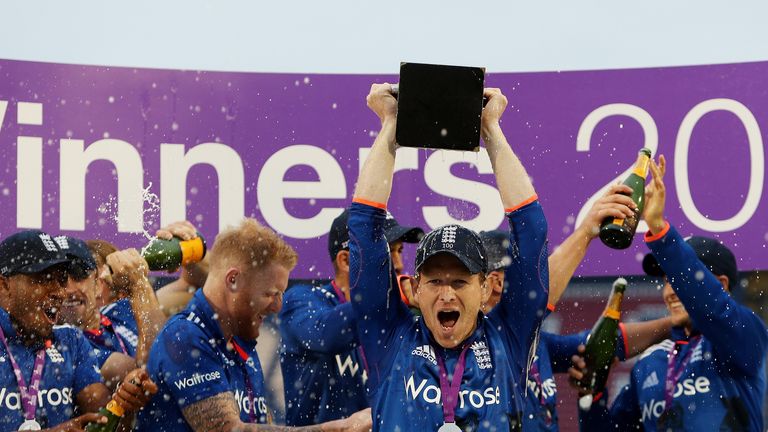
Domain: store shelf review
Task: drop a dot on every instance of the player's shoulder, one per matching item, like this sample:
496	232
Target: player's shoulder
66	333
311	290
661	348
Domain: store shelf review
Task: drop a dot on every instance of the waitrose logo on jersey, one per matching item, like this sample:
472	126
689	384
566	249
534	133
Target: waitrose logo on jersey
196	379
432	394
45	397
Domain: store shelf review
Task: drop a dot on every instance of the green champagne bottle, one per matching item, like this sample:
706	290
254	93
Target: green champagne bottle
113	412
170	254
617	233
601	344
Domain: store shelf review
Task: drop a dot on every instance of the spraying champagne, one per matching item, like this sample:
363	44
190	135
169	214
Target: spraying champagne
601	345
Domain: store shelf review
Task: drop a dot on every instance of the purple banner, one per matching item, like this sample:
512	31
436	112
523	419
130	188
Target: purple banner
102	152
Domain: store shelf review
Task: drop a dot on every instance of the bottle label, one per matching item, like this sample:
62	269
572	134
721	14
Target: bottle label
115	408
642	166
192	251
612	313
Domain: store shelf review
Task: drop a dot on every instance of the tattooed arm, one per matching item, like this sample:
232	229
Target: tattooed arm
219	414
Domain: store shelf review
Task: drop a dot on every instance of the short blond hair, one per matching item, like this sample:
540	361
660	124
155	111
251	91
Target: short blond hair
253	246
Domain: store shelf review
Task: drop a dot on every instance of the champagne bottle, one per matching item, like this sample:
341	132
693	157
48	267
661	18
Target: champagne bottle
617	233
601	344
162	254
113	412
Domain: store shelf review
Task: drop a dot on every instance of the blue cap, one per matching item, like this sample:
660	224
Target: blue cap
29	252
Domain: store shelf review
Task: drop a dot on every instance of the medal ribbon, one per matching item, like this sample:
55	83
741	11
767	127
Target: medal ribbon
534	370
674	374
248	385
108	325
339	293
28	393
450	389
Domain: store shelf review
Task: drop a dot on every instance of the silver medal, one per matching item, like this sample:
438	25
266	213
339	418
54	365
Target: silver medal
30	425
449	427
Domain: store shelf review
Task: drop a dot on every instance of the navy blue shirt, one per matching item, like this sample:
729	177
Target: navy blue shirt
120	316
723	384
191	361
400	351
70	366
323	373
106	341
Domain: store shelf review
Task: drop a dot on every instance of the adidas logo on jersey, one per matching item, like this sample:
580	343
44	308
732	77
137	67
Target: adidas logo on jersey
425	351
129	336
651	381
54	355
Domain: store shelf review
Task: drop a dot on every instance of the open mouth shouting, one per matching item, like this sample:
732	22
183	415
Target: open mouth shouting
51	312
448	319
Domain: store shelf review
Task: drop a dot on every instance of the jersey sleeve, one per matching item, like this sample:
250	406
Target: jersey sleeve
186	366
314	324
86	362
738	336
373	289
524	298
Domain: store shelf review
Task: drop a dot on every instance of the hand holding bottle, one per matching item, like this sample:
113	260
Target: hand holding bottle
615	203
78	424
655	197
135	391
181	229
129	270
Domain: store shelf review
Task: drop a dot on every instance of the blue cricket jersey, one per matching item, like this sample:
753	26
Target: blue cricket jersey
69	368
722	384
105	341
191	361
120	316
402	370
323	375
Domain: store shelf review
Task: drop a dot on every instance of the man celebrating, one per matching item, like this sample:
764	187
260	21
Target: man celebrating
452	368
322	367
204	359
47	374
117	352
711	374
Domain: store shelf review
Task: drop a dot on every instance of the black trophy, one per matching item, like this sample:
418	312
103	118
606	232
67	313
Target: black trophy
439	106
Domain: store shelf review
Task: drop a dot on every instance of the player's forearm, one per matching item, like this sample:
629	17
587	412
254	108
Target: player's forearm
511	179
641	335
564	261
375	180
149	318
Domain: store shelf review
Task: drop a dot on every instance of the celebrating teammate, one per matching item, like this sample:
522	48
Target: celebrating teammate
48	375
323	372
121	347
711	374
453	367
554	352
204	360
